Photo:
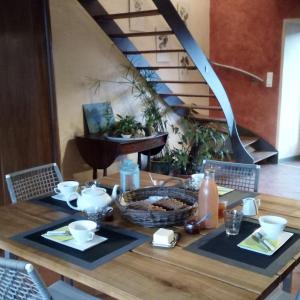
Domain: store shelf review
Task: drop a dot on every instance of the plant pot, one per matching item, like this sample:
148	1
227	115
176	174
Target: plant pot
161	167
126	136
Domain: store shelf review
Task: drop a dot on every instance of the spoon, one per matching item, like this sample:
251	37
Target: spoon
192	227
207	216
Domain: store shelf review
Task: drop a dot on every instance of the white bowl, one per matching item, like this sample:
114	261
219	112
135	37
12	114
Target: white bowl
272	226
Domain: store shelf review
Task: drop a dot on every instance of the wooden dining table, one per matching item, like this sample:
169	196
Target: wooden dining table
147	272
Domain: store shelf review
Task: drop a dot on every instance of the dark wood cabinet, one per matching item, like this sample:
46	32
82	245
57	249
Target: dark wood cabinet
28	126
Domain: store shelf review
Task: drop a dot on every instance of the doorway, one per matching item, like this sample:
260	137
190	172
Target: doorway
28	127
289	110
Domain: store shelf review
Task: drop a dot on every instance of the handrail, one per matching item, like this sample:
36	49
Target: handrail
238	70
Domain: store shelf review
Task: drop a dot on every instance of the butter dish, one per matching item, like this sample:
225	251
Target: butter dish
172	244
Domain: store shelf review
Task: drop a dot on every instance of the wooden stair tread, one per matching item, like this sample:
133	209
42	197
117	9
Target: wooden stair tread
186	95
152	51
261	155
136	14
199	117
178	81
248	140
196	106
250	149
165	67
140	34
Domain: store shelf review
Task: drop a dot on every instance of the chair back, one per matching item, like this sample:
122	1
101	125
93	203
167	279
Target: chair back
33	183
243	177
19	280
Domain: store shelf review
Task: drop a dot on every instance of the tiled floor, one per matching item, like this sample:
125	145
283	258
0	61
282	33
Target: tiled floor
281	180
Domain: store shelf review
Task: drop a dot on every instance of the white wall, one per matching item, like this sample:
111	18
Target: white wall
289	122
81	50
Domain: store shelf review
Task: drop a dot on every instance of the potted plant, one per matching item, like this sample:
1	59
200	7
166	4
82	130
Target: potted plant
197	142
127	127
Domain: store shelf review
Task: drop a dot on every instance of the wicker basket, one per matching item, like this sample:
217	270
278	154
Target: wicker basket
149	218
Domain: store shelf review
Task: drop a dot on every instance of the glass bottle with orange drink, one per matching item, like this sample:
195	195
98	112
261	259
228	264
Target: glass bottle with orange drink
208	200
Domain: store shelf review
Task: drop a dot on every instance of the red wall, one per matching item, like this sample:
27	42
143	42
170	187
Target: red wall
248	34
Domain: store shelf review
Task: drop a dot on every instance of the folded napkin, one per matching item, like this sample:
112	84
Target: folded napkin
250	244
223	190
59	237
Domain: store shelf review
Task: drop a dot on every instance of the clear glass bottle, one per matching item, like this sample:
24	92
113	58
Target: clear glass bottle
129	175
208	200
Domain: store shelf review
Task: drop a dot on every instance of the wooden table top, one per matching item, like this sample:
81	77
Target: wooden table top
147	272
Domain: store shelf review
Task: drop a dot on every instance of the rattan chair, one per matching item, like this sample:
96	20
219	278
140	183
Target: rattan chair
33	183
19	280
243	177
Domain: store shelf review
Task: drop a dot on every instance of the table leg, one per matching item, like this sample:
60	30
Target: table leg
139	160
148	162
287	283
95	173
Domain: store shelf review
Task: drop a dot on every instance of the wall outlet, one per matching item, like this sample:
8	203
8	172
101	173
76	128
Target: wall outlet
269	80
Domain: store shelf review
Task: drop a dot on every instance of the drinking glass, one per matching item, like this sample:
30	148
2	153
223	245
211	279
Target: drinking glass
232	219
222	207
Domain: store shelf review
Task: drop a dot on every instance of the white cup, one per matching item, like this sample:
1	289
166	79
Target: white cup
272	226
66	188
83	230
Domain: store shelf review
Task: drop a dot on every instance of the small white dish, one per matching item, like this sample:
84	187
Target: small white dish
61	197
282	239
73	244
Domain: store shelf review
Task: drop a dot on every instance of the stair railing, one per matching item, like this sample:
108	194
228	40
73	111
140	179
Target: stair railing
168	11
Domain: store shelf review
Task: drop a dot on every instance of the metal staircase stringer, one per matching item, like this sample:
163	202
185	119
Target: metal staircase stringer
199	59
94	8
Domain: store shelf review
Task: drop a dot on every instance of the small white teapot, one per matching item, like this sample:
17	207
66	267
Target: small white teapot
93	199
250	206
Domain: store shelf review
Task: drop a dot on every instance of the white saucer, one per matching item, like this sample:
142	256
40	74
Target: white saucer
73	244
62	197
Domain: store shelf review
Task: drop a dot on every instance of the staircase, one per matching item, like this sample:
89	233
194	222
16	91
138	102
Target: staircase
247	148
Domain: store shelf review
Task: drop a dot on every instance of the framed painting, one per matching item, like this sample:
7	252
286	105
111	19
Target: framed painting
99	117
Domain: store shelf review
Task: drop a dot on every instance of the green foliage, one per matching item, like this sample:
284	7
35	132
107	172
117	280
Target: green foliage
197	142
144	90
127	125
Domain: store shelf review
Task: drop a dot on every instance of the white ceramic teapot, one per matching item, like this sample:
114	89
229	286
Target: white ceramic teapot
93	199
250	206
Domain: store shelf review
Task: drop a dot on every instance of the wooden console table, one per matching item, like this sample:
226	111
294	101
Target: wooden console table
100	152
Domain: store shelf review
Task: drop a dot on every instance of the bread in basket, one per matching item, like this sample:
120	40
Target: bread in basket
157	206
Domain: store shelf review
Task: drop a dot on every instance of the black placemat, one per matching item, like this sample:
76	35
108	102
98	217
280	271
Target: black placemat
119	241
218	246
62	205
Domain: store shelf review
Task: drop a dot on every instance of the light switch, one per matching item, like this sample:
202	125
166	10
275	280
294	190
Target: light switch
269	81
